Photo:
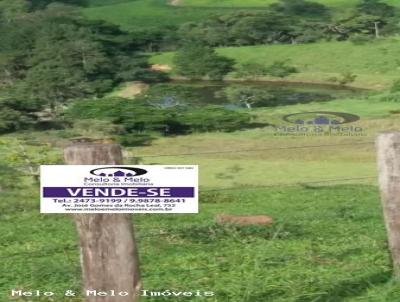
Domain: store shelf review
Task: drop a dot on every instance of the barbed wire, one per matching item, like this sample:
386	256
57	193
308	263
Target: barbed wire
250	150
152	235
289	184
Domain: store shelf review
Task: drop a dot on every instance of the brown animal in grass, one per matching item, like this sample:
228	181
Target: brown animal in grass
244	219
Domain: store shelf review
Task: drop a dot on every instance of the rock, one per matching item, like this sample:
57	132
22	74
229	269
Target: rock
244	219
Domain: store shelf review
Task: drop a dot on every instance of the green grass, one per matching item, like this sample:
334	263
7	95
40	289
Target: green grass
259	3
139	14
266	167
263	3
328	242
376	64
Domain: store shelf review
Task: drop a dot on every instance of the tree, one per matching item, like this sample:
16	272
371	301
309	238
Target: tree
66	63
54	55
16	115
9	10
196	61
142	118
42	4
250	28
260	28
376	8
300	8
369	25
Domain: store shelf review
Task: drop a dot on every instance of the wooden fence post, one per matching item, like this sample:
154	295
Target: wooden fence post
388	156
109	257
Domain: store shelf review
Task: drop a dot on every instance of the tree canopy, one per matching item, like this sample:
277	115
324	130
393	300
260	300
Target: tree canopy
197	61
52	56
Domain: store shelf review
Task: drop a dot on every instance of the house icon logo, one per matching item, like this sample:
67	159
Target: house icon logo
321	118
118	172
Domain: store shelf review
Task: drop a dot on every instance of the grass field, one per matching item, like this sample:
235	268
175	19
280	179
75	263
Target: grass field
375	64
261	3
328	242
139	14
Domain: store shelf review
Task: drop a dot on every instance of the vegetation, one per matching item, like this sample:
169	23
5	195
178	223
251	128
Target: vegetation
340	5
320	231
148	14
140	117
196	62
65	58
375	63
60	64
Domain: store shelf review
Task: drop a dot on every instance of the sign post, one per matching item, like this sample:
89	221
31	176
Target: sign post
388	155
109	257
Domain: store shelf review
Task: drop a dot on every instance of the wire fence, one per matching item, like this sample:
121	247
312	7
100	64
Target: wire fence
75	248
298	183
251	150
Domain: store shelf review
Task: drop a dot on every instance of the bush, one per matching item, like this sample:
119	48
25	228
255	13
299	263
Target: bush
134	139
280	69
213	118
360	39
251	70
300	8
139	117
196	61
347	78
17	114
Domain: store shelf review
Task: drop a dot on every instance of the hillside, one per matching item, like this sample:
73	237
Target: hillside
252	3
375	64
136	14
141	14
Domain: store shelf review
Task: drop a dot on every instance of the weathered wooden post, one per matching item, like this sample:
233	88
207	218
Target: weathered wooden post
109	255
388	149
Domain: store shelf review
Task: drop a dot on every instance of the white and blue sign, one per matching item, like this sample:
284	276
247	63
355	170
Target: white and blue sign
119	189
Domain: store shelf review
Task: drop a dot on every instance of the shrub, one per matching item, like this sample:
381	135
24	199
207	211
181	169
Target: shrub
13	120
196	61
143	118
251	70
347	78
280	69
134	139
360	39
213	118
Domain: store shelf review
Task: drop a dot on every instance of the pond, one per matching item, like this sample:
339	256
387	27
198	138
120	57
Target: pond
234	95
